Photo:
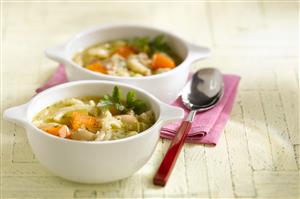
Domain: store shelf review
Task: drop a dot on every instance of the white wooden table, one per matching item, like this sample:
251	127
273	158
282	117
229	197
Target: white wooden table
258	154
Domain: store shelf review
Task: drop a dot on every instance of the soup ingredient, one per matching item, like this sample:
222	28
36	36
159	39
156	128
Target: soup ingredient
136	66
161	60
96	118
125	51
58	130
83	134
82	120
135	57
120	105
97	67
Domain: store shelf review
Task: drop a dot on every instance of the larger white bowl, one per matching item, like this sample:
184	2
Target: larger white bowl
165	86
91	162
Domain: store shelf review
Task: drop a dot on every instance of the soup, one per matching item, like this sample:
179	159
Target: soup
136	57
91	118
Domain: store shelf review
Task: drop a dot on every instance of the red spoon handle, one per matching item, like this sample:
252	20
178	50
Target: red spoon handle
166	167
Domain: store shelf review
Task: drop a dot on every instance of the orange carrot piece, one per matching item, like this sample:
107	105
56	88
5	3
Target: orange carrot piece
125	51
160	60
97	67
113	110
59	130
81	120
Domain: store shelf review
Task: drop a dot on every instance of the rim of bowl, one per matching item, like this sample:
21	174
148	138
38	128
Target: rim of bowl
125	25
149	96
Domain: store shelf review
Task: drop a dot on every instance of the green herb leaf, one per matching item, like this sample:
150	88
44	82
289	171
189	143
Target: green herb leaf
117	94
131	97
140	106
116	101
140	43
160	44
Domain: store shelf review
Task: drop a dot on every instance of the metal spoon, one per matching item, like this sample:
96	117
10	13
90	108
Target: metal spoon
202	93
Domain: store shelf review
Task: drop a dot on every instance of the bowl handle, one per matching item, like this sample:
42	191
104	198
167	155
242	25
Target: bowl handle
56	53
170	113
16	114
198	52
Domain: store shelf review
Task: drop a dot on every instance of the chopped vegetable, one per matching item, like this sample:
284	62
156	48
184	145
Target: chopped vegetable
161	60
81	120
125	51
97	67
58	130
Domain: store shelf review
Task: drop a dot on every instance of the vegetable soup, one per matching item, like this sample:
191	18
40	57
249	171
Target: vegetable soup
92	118
136	57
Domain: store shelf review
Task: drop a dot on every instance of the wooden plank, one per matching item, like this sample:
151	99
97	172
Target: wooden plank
282	148
256	131
218	170
258	25
277	184
238	153
85	194
107	190
196	170
297	154
22	152
24	169
35	187
262	80
53	187
149	170
21	149
7	139
235	31
8	129
198	33
281	19
289	94
131	187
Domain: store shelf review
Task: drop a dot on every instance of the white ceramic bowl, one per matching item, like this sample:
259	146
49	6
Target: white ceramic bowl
165	86
91	162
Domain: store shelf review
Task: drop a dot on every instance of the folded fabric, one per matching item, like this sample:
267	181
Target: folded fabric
207	126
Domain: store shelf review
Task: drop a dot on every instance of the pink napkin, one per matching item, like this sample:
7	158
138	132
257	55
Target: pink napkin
58	77
207	126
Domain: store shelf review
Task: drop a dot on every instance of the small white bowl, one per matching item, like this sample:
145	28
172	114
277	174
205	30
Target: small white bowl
165	86
97	161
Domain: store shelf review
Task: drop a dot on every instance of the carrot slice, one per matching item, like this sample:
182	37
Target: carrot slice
125	51
97	67
59	130
160	60
81	120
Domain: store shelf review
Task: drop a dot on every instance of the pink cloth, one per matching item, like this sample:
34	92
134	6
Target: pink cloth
207	126
58	77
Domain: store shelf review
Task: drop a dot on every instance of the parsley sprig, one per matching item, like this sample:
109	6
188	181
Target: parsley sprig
123	105
150	46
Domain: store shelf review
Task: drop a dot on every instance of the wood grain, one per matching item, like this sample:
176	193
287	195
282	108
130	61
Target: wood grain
258	153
